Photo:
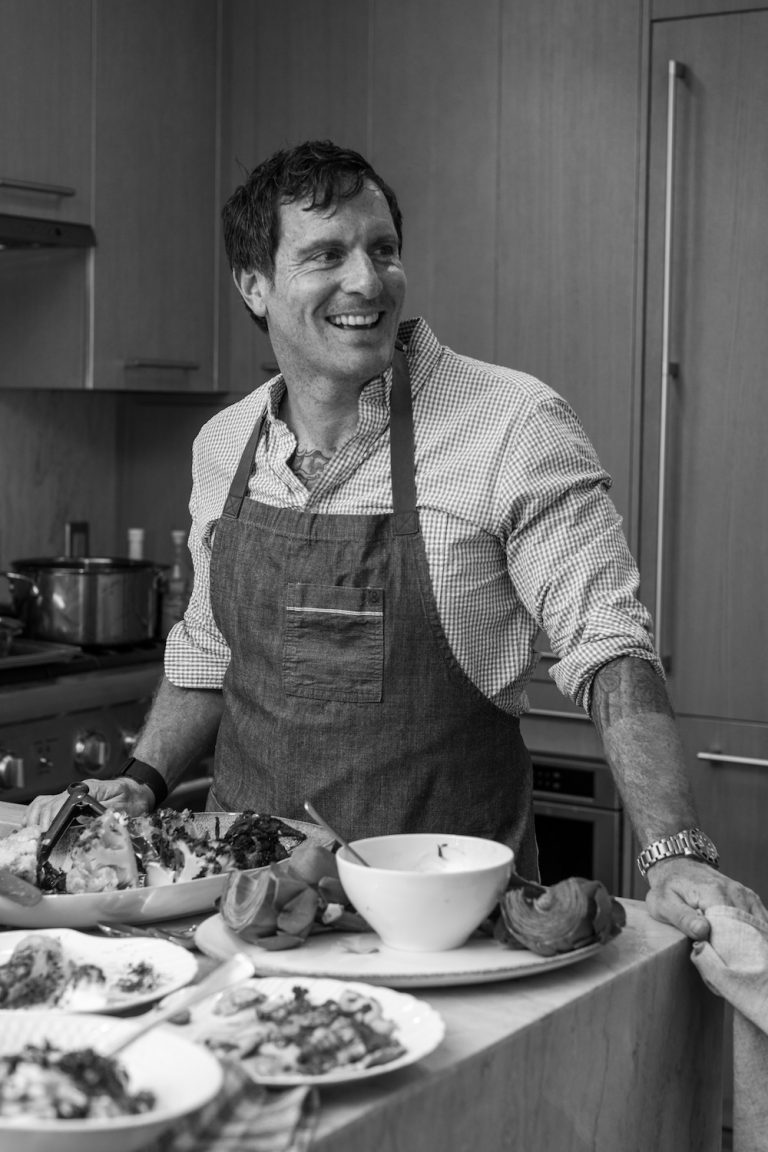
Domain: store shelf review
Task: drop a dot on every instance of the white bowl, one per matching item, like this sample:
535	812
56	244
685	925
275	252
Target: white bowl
183	1076
425	892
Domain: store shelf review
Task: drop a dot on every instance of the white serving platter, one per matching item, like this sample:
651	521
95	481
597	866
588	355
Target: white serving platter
363	956
137	971
419	1028
135	905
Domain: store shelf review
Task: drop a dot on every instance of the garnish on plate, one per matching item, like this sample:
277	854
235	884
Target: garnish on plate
568	915
280	906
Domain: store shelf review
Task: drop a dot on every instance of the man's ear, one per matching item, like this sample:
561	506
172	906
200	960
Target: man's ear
250	285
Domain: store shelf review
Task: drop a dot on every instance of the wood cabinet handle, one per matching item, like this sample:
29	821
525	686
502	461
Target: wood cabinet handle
675	72
719	758
34	186
184	365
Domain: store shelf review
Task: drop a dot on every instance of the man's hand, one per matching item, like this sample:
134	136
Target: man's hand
122	793
682	889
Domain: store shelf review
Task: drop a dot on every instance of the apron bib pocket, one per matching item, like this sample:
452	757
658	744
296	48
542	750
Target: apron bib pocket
333	645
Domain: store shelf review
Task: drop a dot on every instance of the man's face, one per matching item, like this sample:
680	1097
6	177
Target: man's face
334	304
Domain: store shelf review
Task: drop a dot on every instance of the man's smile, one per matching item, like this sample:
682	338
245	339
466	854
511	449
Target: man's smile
355	319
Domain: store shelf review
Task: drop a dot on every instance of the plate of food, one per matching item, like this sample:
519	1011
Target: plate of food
66	970
113	867
61	1092
287	1031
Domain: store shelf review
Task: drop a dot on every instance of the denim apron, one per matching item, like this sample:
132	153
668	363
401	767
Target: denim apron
342	688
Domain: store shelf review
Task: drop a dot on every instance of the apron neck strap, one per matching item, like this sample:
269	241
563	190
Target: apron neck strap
401	454
401	447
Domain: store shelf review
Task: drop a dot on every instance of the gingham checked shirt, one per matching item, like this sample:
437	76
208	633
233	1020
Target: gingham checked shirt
519	530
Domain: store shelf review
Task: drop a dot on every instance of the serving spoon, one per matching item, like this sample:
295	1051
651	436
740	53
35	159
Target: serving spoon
236	970
318	819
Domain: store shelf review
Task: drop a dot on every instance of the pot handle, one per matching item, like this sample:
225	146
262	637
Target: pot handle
32	591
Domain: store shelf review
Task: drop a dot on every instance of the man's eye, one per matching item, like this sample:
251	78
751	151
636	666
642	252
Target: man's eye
387	251
328	256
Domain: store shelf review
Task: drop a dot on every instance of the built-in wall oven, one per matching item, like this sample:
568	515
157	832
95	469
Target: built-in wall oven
579	820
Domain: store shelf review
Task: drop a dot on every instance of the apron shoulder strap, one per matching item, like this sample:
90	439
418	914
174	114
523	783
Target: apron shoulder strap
239	486
401	448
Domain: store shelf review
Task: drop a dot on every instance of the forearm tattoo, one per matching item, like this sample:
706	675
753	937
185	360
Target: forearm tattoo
627	687
308	463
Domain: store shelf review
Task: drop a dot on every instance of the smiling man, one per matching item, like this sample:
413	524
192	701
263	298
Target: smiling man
379	533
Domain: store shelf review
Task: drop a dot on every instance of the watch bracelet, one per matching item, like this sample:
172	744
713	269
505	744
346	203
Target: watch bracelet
683	843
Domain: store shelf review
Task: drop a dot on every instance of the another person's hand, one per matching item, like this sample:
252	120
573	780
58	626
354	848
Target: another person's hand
122	793
682	889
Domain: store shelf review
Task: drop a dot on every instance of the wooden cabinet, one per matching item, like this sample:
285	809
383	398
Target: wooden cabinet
567	213
291	73
45	171
434	118
155	194
45	108
115	102
705	544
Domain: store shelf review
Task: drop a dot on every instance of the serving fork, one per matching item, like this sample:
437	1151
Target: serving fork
184	937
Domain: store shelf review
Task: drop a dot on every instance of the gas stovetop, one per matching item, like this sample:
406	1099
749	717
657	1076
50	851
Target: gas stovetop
35	662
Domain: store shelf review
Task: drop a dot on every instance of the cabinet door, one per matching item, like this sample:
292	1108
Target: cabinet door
155	180
45	171
292	72
45	108
434	114
705	543
567	212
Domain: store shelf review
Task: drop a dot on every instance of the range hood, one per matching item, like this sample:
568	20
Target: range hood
34	232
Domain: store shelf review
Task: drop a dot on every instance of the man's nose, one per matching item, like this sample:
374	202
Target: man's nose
360	276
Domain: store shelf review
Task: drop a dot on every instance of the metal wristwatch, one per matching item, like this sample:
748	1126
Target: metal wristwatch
689	842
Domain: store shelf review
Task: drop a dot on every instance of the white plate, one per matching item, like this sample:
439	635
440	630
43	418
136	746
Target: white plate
182	1075
172	966
419	1028
337	954
134	905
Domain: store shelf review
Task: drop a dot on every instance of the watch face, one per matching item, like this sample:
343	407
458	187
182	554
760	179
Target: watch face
703	844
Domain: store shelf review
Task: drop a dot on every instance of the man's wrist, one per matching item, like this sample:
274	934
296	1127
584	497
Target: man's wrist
145	774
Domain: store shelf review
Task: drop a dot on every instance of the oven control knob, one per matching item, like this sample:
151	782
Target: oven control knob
129	738
91	751
11	770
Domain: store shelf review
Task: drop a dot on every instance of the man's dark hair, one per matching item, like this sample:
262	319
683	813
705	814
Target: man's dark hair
317	171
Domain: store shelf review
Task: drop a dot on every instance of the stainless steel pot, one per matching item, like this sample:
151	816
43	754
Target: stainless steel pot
100	601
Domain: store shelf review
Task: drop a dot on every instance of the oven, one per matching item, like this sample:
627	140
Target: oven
579	820
71	713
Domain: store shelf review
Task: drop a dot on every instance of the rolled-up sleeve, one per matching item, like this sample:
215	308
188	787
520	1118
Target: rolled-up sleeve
567	554
196	653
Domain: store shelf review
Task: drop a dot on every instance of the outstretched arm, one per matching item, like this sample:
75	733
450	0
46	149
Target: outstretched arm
632	713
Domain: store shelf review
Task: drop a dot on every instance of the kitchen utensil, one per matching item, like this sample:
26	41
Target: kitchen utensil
425	892
184	938
324	824
99	601
234	971
79	802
